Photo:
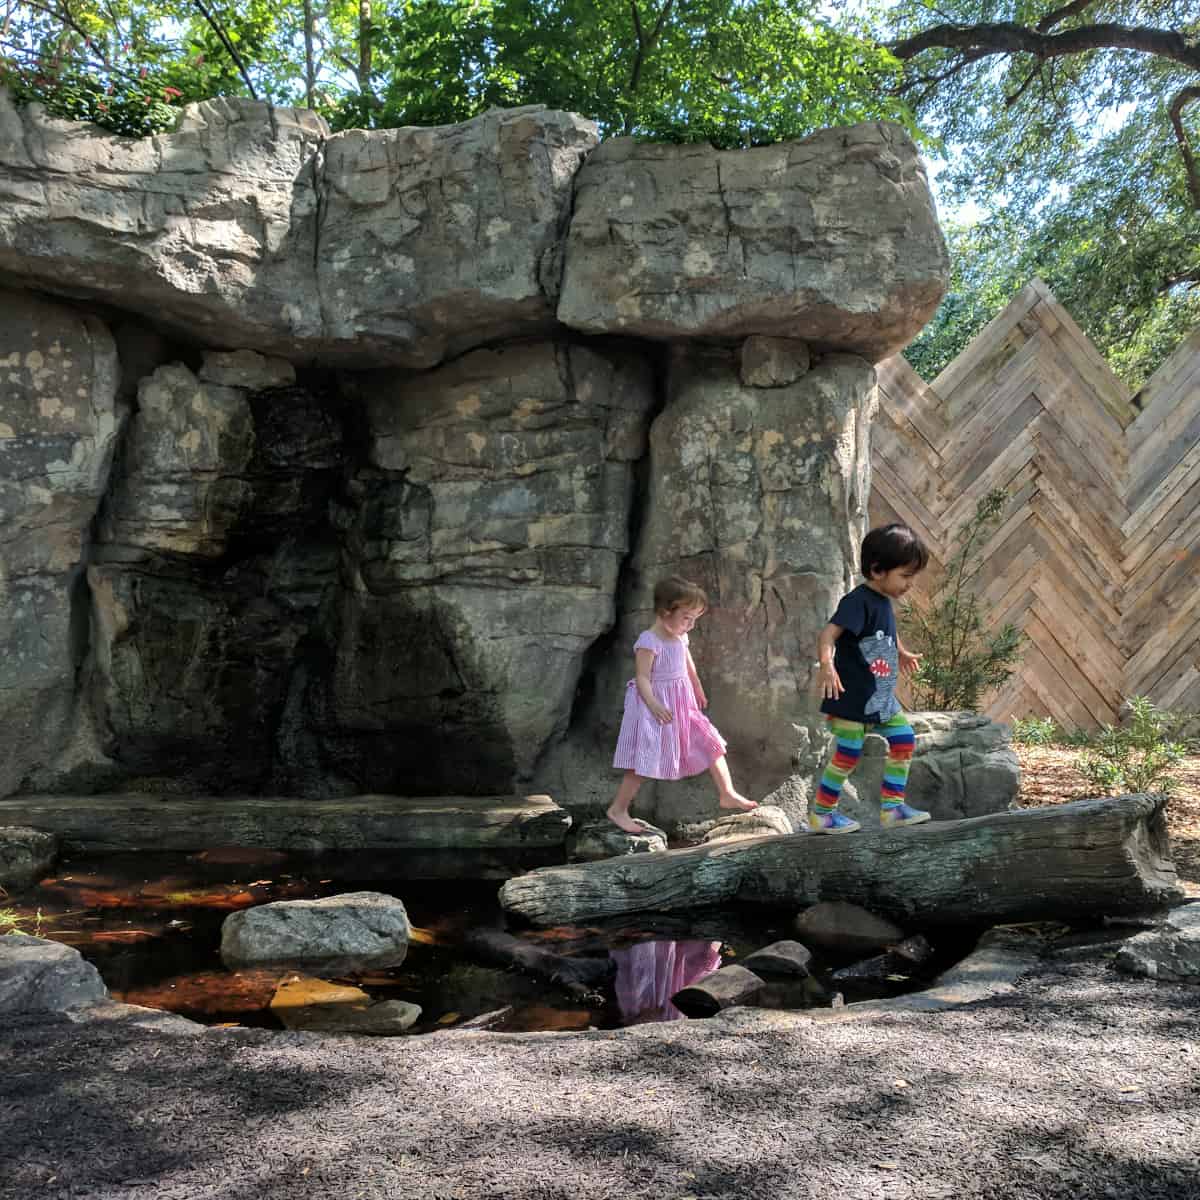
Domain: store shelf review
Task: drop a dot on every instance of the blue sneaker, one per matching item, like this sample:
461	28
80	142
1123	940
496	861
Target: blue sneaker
901	814
831	822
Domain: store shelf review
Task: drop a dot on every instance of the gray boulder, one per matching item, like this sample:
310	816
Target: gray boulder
37	976
59	423
832	239
25	856
251	225
336	935
963	765
1169	953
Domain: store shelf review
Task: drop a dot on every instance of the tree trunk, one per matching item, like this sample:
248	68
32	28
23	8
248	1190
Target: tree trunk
1093	857
309	72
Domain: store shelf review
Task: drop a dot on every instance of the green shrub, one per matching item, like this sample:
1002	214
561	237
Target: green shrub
1036	731
1138	756
962	662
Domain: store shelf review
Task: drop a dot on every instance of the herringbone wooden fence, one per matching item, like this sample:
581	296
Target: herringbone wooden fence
1098	555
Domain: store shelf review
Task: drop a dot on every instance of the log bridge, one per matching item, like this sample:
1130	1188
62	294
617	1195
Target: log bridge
1107	856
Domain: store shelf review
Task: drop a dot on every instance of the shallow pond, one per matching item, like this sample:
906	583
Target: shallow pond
151	923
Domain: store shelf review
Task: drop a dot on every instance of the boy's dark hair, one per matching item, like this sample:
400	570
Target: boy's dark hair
892	546
676	592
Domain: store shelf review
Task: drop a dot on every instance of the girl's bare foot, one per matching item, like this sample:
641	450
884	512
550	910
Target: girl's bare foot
737	802
622	820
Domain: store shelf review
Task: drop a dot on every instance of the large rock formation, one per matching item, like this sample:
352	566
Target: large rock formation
832	239
417	418
59	420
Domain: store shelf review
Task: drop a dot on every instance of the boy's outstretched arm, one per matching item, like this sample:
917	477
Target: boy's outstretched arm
831	684
909	661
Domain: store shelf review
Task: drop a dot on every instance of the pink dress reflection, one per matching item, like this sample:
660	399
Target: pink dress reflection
650	973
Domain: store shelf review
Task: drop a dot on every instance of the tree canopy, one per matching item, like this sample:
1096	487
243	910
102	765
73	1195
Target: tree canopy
1071	126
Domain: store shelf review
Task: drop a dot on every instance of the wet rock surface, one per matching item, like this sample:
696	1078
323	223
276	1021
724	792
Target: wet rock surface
25	856
603	839
848	928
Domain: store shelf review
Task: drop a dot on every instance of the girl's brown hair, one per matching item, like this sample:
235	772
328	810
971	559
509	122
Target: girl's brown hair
675	592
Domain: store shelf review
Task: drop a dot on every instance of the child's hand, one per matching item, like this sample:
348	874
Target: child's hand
831	683
660	714
701	698
909	662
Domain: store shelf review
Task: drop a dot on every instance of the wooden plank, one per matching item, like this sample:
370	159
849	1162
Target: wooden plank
1160	392
1099	643
1101	693
1146	474
975	358
1153	509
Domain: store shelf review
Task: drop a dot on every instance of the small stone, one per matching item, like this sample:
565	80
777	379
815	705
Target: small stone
602	839
247	369
770	362
781	958
838	925
722	989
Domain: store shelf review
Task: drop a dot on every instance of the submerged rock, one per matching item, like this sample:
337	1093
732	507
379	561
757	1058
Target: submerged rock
837	925
315	1006
336	934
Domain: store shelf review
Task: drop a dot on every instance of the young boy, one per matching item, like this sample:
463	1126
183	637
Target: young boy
859	654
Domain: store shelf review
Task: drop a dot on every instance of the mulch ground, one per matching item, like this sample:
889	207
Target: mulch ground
1050	775
1081	1083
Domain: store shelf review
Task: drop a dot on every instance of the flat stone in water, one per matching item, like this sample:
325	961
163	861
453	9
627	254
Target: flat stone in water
316	1006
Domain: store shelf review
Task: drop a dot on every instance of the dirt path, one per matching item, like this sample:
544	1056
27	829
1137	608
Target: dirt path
1079	1083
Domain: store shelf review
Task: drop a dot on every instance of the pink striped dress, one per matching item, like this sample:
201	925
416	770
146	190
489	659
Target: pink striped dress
685	746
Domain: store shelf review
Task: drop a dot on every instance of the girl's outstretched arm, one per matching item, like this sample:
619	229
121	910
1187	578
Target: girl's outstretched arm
831	683
645	663
697	687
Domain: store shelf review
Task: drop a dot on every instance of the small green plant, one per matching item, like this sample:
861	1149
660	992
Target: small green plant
962	661
1036	731
14	921
1137	756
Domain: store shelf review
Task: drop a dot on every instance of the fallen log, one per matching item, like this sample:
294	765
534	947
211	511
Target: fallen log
1105	856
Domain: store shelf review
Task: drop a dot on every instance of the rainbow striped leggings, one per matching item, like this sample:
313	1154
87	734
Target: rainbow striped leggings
850	736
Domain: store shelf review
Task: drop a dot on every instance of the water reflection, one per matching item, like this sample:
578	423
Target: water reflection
650	973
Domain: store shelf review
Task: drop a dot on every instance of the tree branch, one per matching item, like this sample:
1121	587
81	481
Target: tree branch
64	15
1191	277
1009	101
1059	15
1183	98
645	45
220	32
1010	38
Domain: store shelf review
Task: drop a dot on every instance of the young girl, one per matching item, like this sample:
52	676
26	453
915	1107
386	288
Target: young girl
664	735
859	653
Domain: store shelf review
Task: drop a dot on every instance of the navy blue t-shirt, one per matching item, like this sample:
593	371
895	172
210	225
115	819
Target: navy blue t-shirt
866	658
